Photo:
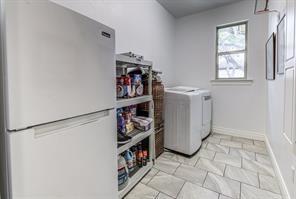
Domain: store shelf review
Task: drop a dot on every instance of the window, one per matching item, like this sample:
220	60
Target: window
231	51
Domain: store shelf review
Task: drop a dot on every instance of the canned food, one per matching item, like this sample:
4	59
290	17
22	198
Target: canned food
137	79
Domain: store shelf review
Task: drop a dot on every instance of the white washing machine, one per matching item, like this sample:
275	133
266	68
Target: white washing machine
183	119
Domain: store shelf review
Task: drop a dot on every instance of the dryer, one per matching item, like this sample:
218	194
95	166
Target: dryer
183	119
206	100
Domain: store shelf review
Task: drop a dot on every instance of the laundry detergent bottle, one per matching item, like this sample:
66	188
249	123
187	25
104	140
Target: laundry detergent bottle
122	173
129	157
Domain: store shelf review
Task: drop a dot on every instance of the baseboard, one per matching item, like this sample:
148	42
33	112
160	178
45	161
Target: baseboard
278	172
239	133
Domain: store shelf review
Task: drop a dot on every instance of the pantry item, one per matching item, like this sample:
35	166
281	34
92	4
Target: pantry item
145	157
124	87
127	80
140	156
126	91
142	123
120	80
129	127
129	160
137	79
133	109
120	91
127	86
120	123
127	115
132	91
139	90
122	173
135	151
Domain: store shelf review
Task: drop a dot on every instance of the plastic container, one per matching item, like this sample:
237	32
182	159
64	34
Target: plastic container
122	173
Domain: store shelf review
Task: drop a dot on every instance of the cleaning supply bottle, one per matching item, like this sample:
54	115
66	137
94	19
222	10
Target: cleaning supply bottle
122	173
129	160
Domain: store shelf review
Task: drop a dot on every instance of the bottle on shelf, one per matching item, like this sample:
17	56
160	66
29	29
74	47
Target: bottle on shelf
145	156
122	173
135	151
129	160
140	155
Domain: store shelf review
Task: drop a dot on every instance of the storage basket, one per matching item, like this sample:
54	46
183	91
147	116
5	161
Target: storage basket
157	89
158	95
158	111
159	142
158	99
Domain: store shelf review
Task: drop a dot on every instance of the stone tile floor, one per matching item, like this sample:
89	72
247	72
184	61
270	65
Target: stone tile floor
225	167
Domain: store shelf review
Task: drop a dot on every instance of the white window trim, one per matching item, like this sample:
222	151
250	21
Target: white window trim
219	82
244	79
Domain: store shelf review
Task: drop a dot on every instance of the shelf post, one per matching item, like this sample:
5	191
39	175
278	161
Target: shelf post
151	115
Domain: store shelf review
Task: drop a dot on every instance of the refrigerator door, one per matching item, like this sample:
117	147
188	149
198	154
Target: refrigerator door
60	64
73	159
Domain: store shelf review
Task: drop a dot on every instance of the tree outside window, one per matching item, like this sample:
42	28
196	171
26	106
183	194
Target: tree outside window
231	51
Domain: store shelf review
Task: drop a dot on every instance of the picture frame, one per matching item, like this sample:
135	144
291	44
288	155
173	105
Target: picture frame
281	45
270	57
261	6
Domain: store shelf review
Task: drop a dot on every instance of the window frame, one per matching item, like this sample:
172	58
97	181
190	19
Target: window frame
232	52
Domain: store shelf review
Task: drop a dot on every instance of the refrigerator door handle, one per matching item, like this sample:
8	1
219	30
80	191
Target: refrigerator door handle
60	126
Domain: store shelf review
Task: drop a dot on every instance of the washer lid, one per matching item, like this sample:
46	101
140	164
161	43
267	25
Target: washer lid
183	89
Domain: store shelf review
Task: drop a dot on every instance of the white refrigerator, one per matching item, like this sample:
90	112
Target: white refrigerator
58	125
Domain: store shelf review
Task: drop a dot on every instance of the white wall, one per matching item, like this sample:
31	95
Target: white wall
142	26
237	108
275	103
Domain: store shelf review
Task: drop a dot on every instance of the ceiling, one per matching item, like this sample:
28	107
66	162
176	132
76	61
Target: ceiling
181	8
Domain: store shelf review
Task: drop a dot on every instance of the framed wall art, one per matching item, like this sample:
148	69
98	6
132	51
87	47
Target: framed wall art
270	57
281	45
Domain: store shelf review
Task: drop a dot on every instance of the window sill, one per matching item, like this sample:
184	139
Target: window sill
232	82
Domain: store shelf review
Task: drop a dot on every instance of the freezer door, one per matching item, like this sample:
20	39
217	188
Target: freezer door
60	64
70	160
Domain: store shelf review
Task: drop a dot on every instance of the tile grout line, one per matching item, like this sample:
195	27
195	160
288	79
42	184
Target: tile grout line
214	190
259	180
241	162
205	180
206	187
272	191
153	175
157	195
161	191
181	188
228	178
215	155
224	170
173	174
255	173
261	189
196	162
240	194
